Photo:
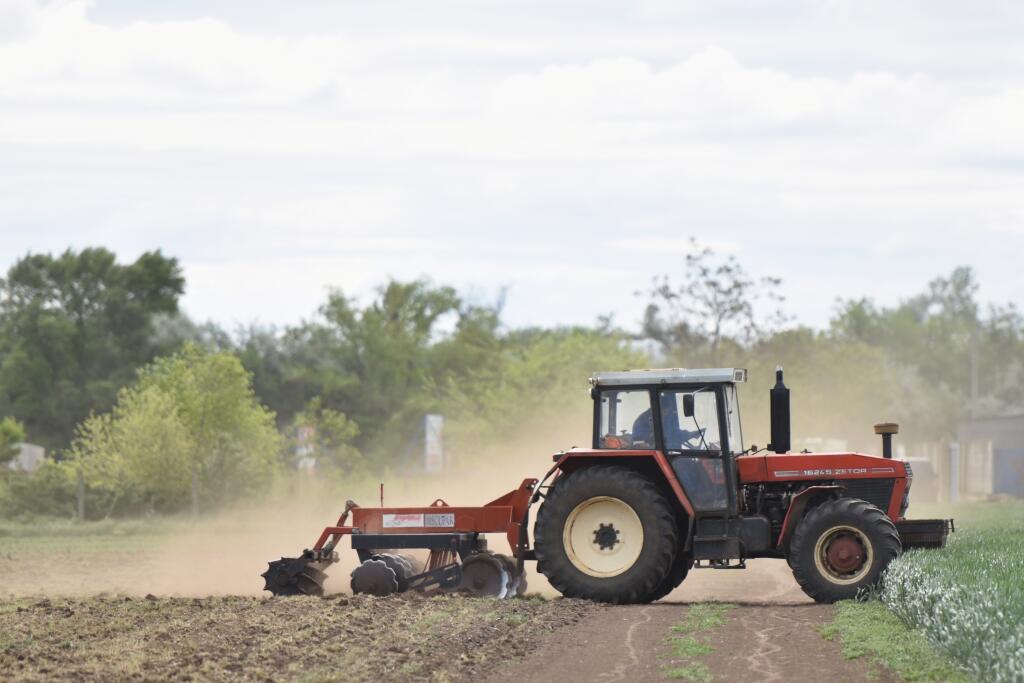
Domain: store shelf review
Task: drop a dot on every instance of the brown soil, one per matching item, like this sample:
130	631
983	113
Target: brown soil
770	635
408	637
756	642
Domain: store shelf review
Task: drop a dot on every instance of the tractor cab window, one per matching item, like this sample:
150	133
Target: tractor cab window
695	432
626	419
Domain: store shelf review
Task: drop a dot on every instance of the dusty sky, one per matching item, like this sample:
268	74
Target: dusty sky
565	150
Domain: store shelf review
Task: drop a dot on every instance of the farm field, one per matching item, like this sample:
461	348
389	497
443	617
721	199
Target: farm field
361	638
969	599
169	598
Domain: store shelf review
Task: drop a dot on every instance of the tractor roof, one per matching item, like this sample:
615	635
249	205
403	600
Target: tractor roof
669	376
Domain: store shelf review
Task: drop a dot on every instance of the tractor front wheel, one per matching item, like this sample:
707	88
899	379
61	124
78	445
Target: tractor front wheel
840	547
605	533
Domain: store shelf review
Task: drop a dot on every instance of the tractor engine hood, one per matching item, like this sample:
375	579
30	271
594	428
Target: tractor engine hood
778	468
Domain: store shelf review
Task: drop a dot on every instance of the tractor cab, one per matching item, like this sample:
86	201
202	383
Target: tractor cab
692	417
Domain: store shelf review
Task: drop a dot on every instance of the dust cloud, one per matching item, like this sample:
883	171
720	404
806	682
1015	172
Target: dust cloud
224	553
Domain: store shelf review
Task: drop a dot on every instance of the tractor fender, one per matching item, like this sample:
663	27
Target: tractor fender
797	506
652	463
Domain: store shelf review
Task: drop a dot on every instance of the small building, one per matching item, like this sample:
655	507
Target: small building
991	457
30	456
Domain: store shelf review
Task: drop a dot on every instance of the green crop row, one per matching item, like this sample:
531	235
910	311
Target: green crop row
969	597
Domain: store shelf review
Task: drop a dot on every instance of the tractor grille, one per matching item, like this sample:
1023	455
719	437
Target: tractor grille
878	492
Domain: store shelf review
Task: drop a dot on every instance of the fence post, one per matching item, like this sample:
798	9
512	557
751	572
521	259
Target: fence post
954	472
81	494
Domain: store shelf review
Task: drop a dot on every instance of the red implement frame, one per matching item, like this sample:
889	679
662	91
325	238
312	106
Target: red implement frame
502	515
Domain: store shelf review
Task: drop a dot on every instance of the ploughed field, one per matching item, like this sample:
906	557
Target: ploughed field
406	637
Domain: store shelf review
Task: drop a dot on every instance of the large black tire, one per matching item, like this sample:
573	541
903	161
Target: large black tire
680	568
841	547
574	504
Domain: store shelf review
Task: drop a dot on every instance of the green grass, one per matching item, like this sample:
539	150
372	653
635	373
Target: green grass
49	528
694	671
703	617
968	599
868	629
686	645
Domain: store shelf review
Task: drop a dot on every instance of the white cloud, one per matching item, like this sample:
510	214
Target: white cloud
484	145
671	245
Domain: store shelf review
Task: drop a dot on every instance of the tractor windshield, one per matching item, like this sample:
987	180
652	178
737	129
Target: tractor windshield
696	432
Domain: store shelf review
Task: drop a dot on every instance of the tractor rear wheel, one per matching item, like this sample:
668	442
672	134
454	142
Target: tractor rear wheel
841	547
680	568
605	533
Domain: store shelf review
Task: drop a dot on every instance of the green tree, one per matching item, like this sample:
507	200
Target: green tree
188	432
11	434
135	457
73	330
384	349
233	441
380	364
327	436
416	348
969	358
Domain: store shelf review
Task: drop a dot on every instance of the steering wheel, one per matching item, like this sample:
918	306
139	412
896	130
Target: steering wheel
688	436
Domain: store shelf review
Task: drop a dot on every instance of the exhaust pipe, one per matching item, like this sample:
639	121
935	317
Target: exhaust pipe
779	415
887	429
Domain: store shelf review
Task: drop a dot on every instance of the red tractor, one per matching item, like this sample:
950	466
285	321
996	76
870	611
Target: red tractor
666	486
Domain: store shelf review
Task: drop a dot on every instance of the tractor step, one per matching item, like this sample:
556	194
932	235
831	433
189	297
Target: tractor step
924	533
719	564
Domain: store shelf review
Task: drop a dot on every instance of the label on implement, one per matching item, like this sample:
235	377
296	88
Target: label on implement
402	521
419	520
446	519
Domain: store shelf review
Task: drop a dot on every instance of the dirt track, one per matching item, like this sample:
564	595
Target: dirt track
756	642
770	635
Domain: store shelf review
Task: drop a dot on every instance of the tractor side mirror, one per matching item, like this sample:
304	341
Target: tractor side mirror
687	405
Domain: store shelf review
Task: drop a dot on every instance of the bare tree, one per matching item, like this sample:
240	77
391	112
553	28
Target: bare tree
715	301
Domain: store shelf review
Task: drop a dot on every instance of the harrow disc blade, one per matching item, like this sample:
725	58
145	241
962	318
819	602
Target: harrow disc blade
484	575
517	582
401	568
294	576
374	577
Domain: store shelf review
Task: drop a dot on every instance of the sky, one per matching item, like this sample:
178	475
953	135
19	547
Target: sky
564	152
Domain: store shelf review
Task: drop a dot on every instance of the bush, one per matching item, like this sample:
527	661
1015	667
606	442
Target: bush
11	432
190	431
50	490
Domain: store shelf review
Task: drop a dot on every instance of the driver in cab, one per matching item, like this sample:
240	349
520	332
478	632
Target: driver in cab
675	436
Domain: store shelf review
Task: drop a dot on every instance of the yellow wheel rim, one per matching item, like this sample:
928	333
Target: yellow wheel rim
603	536
843	555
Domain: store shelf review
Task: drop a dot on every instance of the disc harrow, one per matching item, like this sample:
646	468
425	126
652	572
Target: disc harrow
295	576
458	558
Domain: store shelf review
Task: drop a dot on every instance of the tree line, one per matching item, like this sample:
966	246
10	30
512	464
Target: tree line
150	411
